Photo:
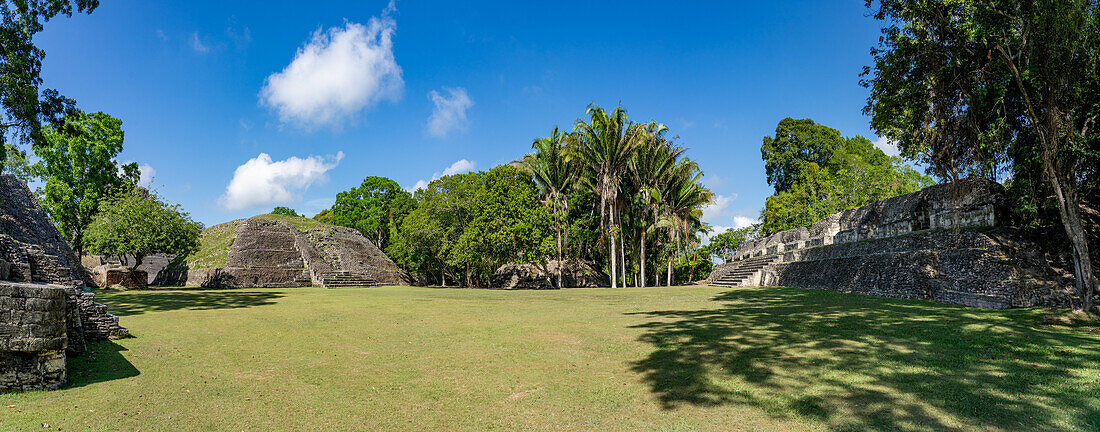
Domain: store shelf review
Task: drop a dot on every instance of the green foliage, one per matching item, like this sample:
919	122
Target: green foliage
140	224
325	216
376	208
508	224
285	211
724	245
432	230
25	106
16	163
837	173
798	143
80	171
970	87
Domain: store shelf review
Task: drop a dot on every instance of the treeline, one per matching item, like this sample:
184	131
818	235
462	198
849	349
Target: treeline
619	195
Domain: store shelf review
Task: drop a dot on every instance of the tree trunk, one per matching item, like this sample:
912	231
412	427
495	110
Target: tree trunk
694	256
612	256
137	261
443	277
641	273
668	281
1084	280
560	263
622	249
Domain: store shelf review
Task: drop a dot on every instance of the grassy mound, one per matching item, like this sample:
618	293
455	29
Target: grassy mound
215	241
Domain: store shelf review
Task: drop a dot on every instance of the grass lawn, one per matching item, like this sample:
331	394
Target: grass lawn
685	358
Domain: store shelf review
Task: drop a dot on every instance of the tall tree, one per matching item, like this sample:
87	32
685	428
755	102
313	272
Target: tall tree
967	81
797	143
376	208
508	224
605	147
684	199
816	172
651	168
78	164
552	168
140	224
26	107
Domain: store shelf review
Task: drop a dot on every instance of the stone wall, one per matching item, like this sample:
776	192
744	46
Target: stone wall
951	243
33	246
34	323
991	268
575	274
966	203
269	253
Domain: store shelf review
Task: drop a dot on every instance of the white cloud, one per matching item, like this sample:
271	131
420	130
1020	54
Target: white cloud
450	111
262	181
198	45
718	208
147	174
887	146
459	167
744	221
160	34
337	74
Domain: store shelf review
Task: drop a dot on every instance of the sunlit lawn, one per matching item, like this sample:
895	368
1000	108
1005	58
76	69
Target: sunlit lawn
685	358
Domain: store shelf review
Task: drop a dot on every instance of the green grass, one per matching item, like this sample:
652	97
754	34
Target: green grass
685	358
215	241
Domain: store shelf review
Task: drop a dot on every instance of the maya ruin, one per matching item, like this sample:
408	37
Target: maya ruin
410	216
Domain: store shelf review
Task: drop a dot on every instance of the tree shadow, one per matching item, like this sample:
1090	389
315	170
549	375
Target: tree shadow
103	361
139	302
860	362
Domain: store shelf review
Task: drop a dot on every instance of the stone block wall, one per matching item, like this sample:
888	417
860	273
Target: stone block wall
34	328
966	203
951	243
274	254
994	268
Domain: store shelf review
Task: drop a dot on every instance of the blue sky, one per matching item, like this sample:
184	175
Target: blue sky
240	106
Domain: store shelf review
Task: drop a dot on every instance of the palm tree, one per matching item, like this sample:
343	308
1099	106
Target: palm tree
605	146
684	199
651	168
552	169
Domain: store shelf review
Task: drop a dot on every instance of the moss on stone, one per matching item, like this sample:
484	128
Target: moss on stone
215	241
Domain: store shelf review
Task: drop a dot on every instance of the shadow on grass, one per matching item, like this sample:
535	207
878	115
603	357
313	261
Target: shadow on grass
139	302
103	361
860	362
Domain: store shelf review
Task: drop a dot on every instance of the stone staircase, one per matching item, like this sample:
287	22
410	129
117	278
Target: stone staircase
98	323
341	279
744	272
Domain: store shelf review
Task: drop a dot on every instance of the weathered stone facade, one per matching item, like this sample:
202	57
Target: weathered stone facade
44	312
951	243
34	322
575	274
270	253
119	277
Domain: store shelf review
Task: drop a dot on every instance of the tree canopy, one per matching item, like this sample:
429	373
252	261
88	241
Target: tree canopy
26	107
981	87
816	172
78	164
140	224
376	208
285	211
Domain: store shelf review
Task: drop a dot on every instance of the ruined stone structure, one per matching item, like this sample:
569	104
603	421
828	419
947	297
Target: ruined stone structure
273	253
151	266
952	243
575	274
33	336
43	308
